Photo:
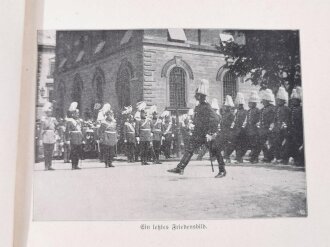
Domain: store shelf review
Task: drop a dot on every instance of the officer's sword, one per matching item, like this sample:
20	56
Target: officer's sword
210	151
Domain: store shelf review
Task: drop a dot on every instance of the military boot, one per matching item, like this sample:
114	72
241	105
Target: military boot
222	172
183	163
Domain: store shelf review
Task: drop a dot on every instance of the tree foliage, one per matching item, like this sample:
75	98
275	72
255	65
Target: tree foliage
268	58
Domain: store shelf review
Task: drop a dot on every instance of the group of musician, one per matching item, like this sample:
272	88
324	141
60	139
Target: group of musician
271	124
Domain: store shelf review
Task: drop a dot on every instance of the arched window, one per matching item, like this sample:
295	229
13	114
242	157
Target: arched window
229	85
76	91
123	87
177	86
99	83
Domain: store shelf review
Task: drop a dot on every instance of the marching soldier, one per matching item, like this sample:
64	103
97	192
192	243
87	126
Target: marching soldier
108	138
129	135
206	124
204	148
227	120
157	133
267	117
74	136
279	131
237	133
251	126
168	134
48	128
143	134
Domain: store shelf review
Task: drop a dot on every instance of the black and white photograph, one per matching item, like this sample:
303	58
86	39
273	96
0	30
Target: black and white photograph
169	124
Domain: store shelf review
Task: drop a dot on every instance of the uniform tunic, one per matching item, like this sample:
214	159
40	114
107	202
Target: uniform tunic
267	118
75	136
205	122
143	131
225	129
168	128
186	132
237	140
157	131
279	131
129	136
129	132
48	137
296	136
108	137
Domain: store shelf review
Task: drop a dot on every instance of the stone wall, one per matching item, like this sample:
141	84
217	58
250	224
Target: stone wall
201	65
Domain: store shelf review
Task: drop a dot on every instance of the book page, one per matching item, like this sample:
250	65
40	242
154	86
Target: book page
12	24
85	218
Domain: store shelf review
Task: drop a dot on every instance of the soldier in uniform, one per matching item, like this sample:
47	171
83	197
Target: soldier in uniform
237	138
143	135
137	118
167	134
266	123
295	147
186	131
74	135
129	136
157	133
279	130
251	125
48	128
100	118
206	124
227	120
108	138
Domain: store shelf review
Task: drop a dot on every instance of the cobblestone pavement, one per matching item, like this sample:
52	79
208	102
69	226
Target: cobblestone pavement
134	192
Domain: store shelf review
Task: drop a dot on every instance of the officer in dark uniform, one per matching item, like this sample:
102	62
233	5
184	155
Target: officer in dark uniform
250	124
137	118
237	132
267	117
227	119
129	138
143	135
206	124
157	133
279	131
295	147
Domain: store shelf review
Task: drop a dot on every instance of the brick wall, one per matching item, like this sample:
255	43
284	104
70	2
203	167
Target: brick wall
110	67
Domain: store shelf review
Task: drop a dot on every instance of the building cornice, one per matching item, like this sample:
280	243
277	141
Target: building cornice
187	46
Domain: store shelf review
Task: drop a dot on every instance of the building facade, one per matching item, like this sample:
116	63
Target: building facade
46	68
122	67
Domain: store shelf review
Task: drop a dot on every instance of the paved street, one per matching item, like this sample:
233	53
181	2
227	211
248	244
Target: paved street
135	192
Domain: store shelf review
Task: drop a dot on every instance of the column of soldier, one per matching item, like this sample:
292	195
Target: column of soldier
276	129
